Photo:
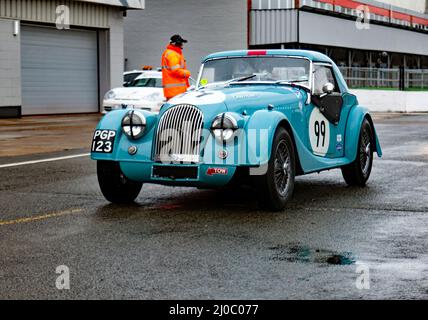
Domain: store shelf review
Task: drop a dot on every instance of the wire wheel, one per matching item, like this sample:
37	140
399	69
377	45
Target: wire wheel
366	153
275	187
282	169
358	172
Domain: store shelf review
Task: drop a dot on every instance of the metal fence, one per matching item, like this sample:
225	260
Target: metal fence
375	78
416	79
371	77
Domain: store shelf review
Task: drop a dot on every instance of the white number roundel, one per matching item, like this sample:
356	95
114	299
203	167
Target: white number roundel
319	133
199	97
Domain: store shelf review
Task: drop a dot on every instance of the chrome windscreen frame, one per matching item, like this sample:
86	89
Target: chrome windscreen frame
311	70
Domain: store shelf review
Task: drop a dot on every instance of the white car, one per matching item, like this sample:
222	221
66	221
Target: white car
145	92
130	76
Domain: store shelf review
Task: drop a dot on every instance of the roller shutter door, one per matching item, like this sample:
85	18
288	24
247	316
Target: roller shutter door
59	70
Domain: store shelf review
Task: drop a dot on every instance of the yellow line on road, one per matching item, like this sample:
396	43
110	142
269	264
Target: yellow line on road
42	217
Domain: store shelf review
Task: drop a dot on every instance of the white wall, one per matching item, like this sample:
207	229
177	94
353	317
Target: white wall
116	47
393	101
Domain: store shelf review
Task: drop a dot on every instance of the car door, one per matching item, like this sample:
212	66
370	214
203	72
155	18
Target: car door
327	114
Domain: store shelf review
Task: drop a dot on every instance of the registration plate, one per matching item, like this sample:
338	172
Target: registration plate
103	141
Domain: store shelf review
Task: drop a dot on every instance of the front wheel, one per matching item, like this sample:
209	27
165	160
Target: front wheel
276	187
115	187
358	172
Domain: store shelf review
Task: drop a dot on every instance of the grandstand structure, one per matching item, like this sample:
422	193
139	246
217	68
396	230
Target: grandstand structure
363	33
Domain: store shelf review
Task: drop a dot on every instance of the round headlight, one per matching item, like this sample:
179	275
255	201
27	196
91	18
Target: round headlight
134	124
110	95
224	127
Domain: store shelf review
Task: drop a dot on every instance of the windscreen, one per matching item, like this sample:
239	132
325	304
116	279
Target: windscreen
264	68
147	82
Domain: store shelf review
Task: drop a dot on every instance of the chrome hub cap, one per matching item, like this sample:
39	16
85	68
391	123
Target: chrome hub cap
122	178
285	168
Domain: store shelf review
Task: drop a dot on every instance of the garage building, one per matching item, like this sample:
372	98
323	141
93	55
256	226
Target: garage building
208	25
397	28
355	33
47	67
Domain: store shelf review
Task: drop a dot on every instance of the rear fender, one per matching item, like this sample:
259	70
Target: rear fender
353	128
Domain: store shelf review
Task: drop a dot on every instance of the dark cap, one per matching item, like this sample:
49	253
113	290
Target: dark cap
177	39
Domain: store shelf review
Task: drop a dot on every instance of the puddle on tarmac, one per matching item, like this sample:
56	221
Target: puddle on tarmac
304	254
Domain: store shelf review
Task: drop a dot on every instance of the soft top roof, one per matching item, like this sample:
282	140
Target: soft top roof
312	55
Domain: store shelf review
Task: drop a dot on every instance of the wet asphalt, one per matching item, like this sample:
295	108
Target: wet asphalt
179	243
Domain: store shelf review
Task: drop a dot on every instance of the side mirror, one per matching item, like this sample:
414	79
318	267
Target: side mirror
328	88
126	84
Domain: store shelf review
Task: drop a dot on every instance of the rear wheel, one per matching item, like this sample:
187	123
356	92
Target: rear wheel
115	187
358	172
276	187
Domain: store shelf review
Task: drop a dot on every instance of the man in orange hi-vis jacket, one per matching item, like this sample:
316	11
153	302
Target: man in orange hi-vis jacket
175	76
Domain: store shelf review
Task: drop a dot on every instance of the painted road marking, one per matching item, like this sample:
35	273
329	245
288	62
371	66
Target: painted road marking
415	163
42	217
43	160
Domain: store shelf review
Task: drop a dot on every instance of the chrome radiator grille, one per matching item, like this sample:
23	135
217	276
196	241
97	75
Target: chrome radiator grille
178	135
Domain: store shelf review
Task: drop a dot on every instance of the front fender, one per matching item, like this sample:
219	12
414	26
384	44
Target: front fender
113	121
353	128
260	131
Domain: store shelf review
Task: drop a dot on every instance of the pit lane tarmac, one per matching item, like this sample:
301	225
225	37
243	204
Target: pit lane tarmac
183	243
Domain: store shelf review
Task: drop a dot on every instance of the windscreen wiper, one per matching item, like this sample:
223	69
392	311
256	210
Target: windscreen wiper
240	79
294	84
229	81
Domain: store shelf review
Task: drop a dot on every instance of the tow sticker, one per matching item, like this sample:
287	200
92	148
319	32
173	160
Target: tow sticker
319	133
217	171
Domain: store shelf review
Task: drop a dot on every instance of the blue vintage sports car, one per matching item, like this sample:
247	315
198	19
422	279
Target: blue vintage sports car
260	117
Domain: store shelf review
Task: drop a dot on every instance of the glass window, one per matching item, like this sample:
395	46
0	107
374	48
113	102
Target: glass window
264	68
322	75
147	82
131	76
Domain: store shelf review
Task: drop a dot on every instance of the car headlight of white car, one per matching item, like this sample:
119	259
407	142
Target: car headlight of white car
110	95
224	127
134	124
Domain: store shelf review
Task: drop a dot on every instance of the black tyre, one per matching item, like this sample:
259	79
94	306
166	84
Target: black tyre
358	172
115	187
276	187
